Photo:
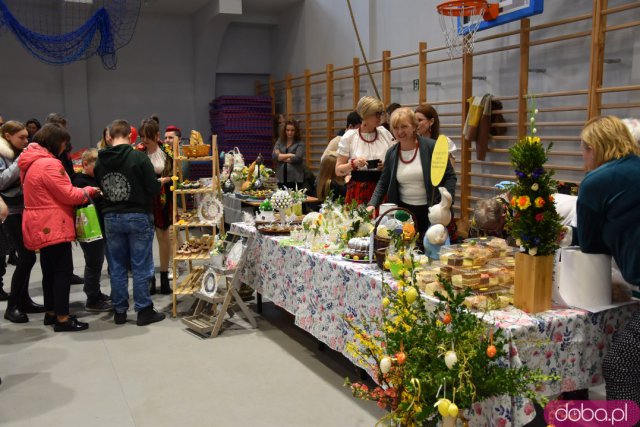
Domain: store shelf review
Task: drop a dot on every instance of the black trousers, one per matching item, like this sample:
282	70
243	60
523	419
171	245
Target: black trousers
57	267
26	259
620	364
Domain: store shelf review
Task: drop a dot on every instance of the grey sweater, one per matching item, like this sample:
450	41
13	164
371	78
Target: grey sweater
295	169
10	187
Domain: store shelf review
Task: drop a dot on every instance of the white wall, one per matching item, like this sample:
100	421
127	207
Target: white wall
154	75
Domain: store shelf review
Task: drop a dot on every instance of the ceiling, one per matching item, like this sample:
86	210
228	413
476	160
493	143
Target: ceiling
188	7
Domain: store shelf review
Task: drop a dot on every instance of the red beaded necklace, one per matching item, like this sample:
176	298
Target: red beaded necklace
415	153
365	139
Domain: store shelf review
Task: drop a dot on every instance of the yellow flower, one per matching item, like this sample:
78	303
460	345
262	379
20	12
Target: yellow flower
539	202
172	188
523	202
174	178
533	140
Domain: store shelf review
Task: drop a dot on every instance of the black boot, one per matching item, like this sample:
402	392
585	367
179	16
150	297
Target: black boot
165	286
152	285
13	258
148	315
29	306
15	315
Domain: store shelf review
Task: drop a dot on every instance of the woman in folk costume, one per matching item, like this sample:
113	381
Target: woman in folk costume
361	152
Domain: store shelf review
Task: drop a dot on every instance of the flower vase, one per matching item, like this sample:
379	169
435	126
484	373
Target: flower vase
237	185
297	209
217	260
283	218
533	282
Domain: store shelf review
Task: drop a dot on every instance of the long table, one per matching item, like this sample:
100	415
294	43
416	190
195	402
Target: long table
320	290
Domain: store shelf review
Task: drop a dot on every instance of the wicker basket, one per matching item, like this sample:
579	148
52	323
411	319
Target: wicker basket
201	150
380	244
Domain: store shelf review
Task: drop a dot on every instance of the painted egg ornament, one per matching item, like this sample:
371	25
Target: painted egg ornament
491	351
446	319
443	407
411	295
450	359
453	410
385	365
281	200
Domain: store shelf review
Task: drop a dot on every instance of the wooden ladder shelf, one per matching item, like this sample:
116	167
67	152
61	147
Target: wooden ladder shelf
210	311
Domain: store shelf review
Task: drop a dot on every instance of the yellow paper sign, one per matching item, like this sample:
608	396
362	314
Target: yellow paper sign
439	160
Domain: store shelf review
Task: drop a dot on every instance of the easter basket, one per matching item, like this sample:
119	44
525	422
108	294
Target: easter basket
380	244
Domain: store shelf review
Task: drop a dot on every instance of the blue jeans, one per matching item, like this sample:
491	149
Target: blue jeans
129	239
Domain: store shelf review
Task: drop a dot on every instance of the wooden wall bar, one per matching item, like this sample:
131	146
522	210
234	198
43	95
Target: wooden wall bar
341	88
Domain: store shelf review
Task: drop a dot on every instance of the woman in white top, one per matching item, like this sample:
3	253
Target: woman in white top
361	151
406	178
162	161
429	127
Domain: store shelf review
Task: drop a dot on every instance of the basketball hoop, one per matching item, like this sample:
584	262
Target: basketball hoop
459	21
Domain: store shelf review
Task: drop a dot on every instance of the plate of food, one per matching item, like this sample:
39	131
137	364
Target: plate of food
274	229
354	256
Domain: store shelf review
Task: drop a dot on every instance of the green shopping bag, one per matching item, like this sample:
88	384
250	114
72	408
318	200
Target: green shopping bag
87	224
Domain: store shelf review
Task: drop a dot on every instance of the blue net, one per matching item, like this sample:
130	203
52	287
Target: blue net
63	31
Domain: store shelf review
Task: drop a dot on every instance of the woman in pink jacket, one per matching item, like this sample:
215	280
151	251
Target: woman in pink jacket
48	221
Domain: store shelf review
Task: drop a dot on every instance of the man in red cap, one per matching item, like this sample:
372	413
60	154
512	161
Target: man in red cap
172	134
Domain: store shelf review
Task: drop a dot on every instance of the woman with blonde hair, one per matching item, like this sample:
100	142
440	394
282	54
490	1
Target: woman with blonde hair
328	181
361	151
406	177
608	211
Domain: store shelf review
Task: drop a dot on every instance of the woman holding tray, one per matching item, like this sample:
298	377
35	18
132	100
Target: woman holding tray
361	151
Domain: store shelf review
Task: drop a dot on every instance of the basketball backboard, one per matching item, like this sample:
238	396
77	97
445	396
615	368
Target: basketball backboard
510	10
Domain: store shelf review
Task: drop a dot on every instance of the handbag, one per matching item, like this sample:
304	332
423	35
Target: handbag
87	223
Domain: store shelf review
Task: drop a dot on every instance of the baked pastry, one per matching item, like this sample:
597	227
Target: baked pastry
359	244
455	260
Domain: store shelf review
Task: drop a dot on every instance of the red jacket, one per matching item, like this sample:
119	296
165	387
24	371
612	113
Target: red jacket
49	199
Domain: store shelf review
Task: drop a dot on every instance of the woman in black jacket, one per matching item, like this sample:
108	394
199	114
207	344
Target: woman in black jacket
406	177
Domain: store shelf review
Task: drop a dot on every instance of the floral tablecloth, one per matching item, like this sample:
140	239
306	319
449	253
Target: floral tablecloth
319	290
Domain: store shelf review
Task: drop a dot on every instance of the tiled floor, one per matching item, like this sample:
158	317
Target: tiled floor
161	375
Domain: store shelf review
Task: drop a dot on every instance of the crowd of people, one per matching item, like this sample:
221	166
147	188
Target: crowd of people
383	155
128	184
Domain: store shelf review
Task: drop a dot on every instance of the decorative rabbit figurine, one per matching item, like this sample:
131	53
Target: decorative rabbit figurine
439	217
441	213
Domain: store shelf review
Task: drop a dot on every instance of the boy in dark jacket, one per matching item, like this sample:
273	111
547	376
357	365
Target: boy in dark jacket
93	251
128	183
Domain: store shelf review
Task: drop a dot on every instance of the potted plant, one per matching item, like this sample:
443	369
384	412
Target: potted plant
533	220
